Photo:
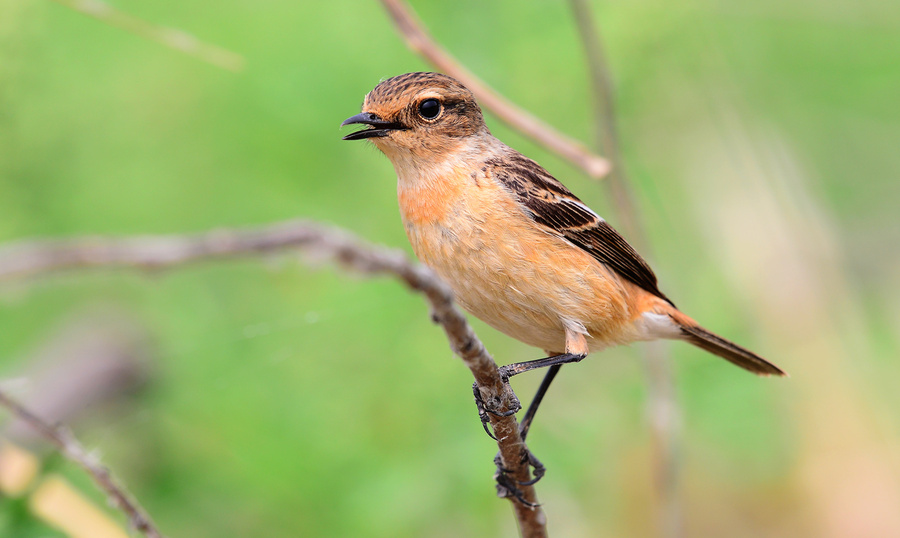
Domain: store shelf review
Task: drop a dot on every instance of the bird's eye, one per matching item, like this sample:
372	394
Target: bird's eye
429	109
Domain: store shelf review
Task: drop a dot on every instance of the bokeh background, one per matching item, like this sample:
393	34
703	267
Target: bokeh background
263	397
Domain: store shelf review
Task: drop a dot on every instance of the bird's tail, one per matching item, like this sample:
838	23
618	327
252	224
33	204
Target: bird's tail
715	344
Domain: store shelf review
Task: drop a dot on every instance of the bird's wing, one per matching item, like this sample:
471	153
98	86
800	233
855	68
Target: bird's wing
550	204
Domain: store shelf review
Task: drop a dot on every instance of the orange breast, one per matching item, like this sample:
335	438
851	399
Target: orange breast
430	202
510	272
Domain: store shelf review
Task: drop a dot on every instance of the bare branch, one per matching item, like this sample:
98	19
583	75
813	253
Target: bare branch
150	252
169	37
662	407
94	358
72	449
605	120
157	252
418	39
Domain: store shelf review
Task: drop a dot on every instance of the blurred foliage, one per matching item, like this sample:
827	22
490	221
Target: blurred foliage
290	401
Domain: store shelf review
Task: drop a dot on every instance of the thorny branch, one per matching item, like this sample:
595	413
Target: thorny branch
72	449
418	39
159	252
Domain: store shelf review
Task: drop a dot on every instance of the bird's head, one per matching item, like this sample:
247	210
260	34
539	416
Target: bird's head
418	115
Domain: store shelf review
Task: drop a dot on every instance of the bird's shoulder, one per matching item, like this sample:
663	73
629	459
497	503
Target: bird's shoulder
551	205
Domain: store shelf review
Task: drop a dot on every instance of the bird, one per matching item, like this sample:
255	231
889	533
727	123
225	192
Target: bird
518	249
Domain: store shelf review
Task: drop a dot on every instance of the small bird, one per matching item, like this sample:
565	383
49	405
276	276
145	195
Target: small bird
519	250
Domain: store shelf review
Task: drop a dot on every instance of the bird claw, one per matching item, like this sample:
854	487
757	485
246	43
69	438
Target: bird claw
507	486
504	374
483	409
538	472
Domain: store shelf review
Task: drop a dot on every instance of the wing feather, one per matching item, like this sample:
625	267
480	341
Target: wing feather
554	207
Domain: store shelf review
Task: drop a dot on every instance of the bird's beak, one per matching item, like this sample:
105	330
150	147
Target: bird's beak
378	127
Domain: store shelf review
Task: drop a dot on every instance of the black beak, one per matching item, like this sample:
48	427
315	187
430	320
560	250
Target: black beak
379	127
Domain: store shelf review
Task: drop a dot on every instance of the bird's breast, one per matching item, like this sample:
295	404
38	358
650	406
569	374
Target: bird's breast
445	216
502	267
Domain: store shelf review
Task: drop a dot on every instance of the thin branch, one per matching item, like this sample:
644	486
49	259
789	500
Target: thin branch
34	258
662	406
605	120
72	449
168	37
605	117
418	39
158	252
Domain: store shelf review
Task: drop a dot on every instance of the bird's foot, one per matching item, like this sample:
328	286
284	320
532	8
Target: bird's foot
485	408
507	486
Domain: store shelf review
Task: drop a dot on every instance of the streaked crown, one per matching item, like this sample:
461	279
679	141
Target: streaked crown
418	110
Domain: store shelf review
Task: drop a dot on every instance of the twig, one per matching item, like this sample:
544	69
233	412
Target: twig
150	252
169	37
662	405
605	119
158	252
72	449
96	357
418	39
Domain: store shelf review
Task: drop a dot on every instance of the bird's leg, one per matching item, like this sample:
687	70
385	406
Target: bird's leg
554	363
525	425
506	486
536	401
517	368
576	350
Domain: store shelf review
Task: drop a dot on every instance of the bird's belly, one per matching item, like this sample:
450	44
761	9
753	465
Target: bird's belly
523	282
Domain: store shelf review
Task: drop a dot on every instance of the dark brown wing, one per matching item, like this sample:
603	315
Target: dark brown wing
553	206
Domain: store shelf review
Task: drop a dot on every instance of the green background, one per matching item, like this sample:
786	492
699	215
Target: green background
295	400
